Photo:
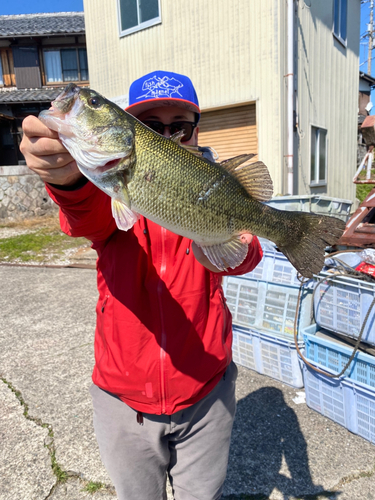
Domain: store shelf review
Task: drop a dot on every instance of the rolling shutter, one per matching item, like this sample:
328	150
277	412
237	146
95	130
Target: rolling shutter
230	131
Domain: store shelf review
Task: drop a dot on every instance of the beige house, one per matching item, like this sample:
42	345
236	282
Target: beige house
275	78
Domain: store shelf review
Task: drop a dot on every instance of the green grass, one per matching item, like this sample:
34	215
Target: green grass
363	190
40	245
93	486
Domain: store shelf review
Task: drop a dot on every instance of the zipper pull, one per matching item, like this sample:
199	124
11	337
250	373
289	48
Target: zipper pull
104	303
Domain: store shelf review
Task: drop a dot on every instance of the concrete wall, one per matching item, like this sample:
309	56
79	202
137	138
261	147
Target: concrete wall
23	194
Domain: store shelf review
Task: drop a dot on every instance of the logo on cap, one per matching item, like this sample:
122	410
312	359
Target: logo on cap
158	87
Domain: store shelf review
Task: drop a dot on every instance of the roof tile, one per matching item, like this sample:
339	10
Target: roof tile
42	24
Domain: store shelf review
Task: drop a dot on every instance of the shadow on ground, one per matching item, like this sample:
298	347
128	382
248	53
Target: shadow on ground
269	451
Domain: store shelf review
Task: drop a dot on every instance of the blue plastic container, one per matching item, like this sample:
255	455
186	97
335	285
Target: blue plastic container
334	356
343	400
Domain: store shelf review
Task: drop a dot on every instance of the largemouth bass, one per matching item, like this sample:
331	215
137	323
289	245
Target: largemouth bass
176	187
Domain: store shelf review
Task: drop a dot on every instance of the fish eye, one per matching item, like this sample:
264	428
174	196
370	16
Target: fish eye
94	102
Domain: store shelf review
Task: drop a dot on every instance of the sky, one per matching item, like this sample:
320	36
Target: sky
37	6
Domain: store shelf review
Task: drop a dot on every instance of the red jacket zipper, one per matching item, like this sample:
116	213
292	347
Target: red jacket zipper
163	267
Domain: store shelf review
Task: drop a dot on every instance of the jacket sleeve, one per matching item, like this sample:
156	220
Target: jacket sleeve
84	212
254	256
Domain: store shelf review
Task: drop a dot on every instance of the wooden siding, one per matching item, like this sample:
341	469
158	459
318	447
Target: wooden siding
230	132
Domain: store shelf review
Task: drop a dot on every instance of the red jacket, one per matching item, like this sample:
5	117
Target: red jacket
163	332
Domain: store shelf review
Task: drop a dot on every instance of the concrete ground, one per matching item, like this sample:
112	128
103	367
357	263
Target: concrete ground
280	449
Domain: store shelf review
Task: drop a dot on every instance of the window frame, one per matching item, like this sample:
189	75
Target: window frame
317	181
138	27
60	48
338	35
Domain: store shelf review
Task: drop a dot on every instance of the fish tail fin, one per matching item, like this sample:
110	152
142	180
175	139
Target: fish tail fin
312	234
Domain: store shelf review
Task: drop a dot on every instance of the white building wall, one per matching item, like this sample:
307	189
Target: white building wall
235	53
328	94
229	48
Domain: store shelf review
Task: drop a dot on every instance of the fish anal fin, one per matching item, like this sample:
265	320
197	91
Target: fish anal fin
253	177
125	217
228	254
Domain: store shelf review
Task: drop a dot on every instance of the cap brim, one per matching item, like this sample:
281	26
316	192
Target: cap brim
139	107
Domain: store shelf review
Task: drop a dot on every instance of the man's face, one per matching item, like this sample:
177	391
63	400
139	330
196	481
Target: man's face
168	115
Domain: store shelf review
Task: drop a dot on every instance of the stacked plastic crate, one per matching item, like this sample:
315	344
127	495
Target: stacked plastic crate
263	303
340	308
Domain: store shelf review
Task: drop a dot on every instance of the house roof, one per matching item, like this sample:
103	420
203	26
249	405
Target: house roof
15	96
42	24
368	78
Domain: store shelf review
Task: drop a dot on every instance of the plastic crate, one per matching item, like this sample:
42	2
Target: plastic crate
344	401
275	267
341	304
324	205
333	354
266	307
269	355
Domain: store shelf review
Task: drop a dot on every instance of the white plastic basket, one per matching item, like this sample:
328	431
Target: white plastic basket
341	304
265	306
269	355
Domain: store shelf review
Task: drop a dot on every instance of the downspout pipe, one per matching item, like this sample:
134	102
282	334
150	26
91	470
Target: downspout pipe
290	97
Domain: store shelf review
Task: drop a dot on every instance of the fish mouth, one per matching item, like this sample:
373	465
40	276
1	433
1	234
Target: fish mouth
108	166
64	101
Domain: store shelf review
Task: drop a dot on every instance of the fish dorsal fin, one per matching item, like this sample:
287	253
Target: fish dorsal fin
228	254
176	137
125	217
193	149
254	177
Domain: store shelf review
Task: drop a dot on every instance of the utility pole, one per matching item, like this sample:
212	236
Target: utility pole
370	35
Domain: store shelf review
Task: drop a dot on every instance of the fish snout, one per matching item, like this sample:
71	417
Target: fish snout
65	100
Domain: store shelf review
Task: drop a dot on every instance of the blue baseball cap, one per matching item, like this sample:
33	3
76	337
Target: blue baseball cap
162	88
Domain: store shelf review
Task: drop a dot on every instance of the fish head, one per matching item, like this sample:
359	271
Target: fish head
96	132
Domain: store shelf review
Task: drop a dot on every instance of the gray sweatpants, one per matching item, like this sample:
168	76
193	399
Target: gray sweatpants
191	445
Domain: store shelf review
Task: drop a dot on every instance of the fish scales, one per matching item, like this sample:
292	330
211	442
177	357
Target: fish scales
212	203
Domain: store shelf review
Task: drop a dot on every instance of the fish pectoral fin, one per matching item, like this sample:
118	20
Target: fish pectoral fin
125	217
254	177
228	254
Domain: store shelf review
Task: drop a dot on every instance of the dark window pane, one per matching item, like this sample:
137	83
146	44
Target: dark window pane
344	16
336	17
148	9
313	153
83	66
69	65
322	154
129	14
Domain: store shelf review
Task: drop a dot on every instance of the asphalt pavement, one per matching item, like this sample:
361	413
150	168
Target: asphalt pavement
281	449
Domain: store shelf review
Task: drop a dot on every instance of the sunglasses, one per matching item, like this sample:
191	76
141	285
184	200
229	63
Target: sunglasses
159	127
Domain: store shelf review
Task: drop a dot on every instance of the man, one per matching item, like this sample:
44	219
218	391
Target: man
163	392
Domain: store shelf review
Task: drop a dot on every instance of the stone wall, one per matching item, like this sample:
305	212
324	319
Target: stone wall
23	194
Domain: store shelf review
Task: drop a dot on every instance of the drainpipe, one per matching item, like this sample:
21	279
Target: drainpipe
290	94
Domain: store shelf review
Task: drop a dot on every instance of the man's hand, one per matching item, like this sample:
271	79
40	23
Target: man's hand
202	259
45	155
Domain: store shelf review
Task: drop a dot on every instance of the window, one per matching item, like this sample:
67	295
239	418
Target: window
318	156
340	14
65	65
135	15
